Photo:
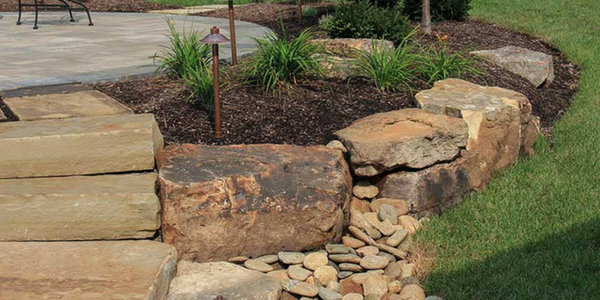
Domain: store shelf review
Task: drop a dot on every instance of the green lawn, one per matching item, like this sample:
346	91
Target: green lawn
535	232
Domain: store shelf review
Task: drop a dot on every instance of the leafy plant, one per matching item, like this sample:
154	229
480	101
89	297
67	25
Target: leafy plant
361	19
388	68
309	12
184	54
438	63
200	83
389	4
280	60
441	10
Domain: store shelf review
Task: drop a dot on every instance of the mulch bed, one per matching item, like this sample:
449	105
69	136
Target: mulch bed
97	5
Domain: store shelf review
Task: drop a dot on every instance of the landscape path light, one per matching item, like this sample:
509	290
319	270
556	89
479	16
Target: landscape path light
232	32
215	38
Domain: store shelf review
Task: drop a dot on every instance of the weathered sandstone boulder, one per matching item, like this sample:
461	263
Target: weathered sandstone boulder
411	138
99	270
436	187
79	208
221	202
499	120
78	146
206	281
351	47
534	66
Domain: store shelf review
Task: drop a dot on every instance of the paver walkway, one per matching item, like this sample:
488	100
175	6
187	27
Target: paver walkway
118	46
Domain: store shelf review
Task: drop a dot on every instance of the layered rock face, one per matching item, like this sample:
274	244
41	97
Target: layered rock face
221	202
408	138
500	122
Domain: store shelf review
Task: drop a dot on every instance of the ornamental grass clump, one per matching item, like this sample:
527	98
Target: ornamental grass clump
200	85
390	69
280	60
185	53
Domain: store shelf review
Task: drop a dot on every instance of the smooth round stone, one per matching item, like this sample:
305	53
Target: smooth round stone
352	242
298	273
390	257
408	270
291	258
394	270
334	286
412	292
268	259
301	288
408	281
409	223
326	274
367	250
335	144
345	258
238	259
280	275
337	249
374	262
328	294
344	274
257	265
365	190
353	296
315	260
388	212
397	237
394	287
373	233
350	267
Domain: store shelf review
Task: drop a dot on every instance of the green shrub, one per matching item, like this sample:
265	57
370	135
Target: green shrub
362	20
309	12
388	68
387	3
200	84
185	53
438	63
280	60
441	10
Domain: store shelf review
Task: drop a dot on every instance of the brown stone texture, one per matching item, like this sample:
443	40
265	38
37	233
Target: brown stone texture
79	146
122	206
351	47
100	270
220	202
435	187
59	106
2	116
499	120
411	138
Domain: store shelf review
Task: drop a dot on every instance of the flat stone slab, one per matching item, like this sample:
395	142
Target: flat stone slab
251	200
407	138
79	146
100	270
206	281
500	122
119	45
59	106
534	66
79	208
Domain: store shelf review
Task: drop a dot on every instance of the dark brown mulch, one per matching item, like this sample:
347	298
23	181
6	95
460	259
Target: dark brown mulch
98	5
271	14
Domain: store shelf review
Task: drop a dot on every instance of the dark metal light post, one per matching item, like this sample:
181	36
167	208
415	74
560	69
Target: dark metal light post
232	33
215	38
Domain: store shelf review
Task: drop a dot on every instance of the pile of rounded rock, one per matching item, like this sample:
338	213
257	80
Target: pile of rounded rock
370	263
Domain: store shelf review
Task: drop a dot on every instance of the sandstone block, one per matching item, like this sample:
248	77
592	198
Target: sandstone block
410	138
78	146
79	208
251	200
98	270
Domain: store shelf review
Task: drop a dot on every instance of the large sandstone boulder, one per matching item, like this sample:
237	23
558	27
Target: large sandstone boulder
430	190
122	206
534	66
78	146
221	202
100	270
410	138
500	122
206	281
351	48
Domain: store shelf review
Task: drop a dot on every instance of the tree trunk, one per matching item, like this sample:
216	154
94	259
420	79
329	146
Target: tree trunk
426	17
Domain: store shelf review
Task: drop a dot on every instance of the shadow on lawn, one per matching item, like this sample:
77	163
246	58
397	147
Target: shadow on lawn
562	266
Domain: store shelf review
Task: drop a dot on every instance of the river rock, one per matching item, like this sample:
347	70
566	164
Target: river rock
394	270
374	262
401	206
498	119
298	273
412	292
301	288
206	281
365	190
337	249
291	258
345	258
268	259
409	223
353	296
409	138
315	260
280	275
349	286
257	265
220	202
437	187
375	284
363	206
534	66
397	237
335	144
367	250
328	294
326	274
387	212
352	242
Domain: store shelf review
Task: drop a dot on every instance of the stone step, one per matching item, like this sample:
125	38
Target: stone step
79	208
98	270
79	146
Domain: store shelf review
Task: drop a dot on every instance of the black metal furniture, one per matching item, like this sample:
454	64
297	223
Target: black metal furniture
37	4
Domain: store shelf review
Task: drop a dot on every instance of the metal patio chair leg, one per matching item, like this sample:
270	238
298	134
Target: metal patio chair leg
69	8
36	15
87	11
20	9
